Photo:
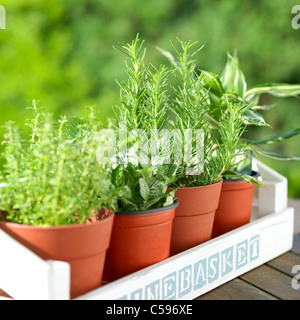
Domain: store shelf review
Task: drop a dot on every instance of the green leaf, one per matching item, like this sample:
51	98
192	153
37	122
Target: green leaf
252	117
232	77
275	89
144	189
263	107
277	138
273	155
252	180
246	177
117	175
212	82
170	197
169	56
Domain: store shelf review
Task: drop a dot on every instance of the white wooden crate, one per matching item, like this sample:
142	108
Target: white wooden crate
187	275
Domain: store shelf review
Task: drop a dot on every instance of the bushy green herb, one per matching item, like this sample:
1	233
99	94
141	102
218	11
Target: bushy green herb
191	108
144	104
232	83
146	186
51	180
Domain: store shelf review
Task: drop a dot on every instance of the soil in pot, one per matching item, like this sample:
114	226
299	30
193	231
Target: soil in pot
235	205
139	239
83	246
194	216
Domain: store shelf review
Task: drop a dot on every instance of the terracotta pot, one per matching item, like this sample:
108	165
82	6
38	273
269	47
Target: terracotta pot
235	206
139	239
83	246
194	217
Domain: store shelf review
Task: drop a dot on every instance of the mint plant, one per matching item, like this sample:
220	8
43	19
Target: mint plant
146	186
51	180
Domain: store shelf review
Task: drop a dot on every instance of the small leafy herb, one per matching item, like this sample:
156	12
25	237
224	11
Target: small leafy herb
51	180
146	186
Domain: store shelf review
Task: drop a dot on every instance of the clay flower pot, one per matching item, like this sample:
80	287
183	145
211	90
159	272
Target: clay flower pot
139	239
235	205
195	215
83	246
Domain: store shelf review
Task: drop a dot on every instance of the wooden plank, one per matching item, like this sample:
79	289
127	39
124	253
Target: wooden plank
236	289
272	281
285	263
296	244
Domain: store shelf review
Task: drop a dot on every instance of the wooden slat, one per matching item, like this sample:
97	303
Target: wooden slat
296	244
272	281
237	289
285	263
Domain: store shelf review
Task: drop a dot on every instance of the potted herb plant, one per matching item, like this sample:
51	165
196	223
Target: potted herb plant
57	200
141	234
142	227
198	193
238	188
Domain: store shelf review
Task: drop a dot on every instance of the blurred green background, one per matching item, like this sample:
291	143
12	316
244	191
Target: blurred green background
61	53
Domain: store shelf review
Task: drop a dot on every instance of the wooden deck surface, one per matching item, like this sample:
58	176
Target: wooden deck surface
271	281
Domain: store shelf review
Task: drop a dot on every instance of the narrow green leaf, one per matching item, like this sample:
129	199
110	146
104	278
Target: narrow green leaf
252	117
275	89
263	107
277	138
245	177
273	155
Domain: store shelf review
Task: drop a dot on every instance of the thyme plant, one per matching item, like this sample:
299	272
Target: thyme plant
51	180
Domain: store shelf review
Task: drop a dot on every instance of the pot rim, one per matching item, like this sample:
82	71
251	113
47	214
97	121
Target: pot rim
136	213
254	174
204	186
60	227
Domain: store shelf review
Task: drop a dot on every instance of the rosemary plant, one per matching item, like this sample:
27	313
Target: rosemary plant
51	180
143	109
191	109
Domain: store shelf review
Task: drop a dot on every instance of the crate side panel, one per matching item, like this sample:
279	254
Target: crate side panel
200	269
23	275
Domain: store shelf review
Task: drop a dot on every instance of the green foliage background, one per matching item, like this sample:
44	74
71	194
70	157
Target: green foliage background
60	52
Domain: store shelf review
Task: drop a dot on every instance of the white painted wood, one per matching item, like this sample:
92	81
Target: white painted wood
23	275
176	277
58	280
273	198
